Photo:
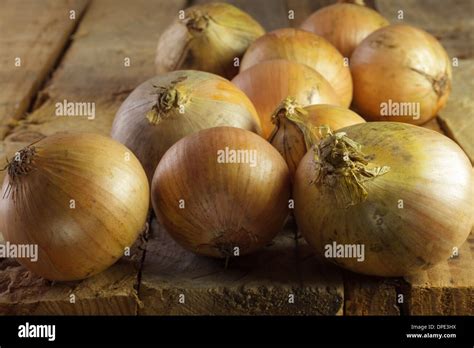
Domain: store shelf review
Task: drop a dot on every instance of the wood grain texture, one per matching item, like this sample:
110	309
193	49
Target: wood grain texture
92	70
36	32
366	295
257	284
446	289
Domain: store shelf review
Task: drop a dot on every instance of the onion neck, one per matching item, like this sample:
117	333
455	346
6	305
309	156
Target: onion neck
439	83
18	167
197	22
167	99
291	111
344	168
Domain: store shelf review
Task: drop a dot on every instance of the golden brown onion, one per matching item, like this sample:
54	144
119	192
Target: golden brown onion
209	38
306	48
296	128
269	82
211	202
168	107
401	192
344	25
81	198
400	73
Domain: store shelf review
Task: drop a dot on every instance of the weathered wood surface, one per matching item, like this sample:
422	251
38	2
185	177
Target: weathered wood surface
281	279
366	295
92	70
35	32
446	289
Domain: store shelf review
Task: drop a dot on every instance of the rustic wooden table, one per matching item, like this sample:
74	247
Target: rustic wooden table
75	50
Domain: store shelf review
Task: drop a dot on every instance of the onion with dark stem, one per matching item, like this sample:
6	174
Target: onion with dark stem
168	107
401	194
222	192
81	198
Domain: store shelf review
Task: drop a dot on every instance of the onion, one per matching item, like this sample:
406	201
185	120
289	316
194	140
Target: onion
210	37
166	108
344	25
296	128
305	48
212	203
400	73
403	192
269	82
81	198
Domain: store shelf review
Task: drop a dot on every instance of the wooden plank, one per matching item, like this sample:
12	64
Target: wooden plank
366	295
257	284
452	24
271	14
446	289
35	32
457	118
112	292
322	285
92	71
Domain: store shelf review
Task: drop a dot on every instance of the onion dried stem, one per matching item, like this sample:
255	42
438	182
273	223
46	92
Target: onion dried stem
344	168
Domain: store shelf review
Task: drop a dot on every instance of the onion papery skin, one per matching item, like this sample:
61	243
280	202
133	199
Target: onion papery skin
428	174
268	83
209	38
288	137
168	107
344	25
400	64
111	199
306	48
226	205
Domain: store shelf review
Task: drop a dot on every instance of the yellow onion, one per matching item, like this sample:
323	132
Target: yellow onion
168	107
81	198
210	37
402	192
297	128
218	205
269	82
400	73
344	25
305	48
